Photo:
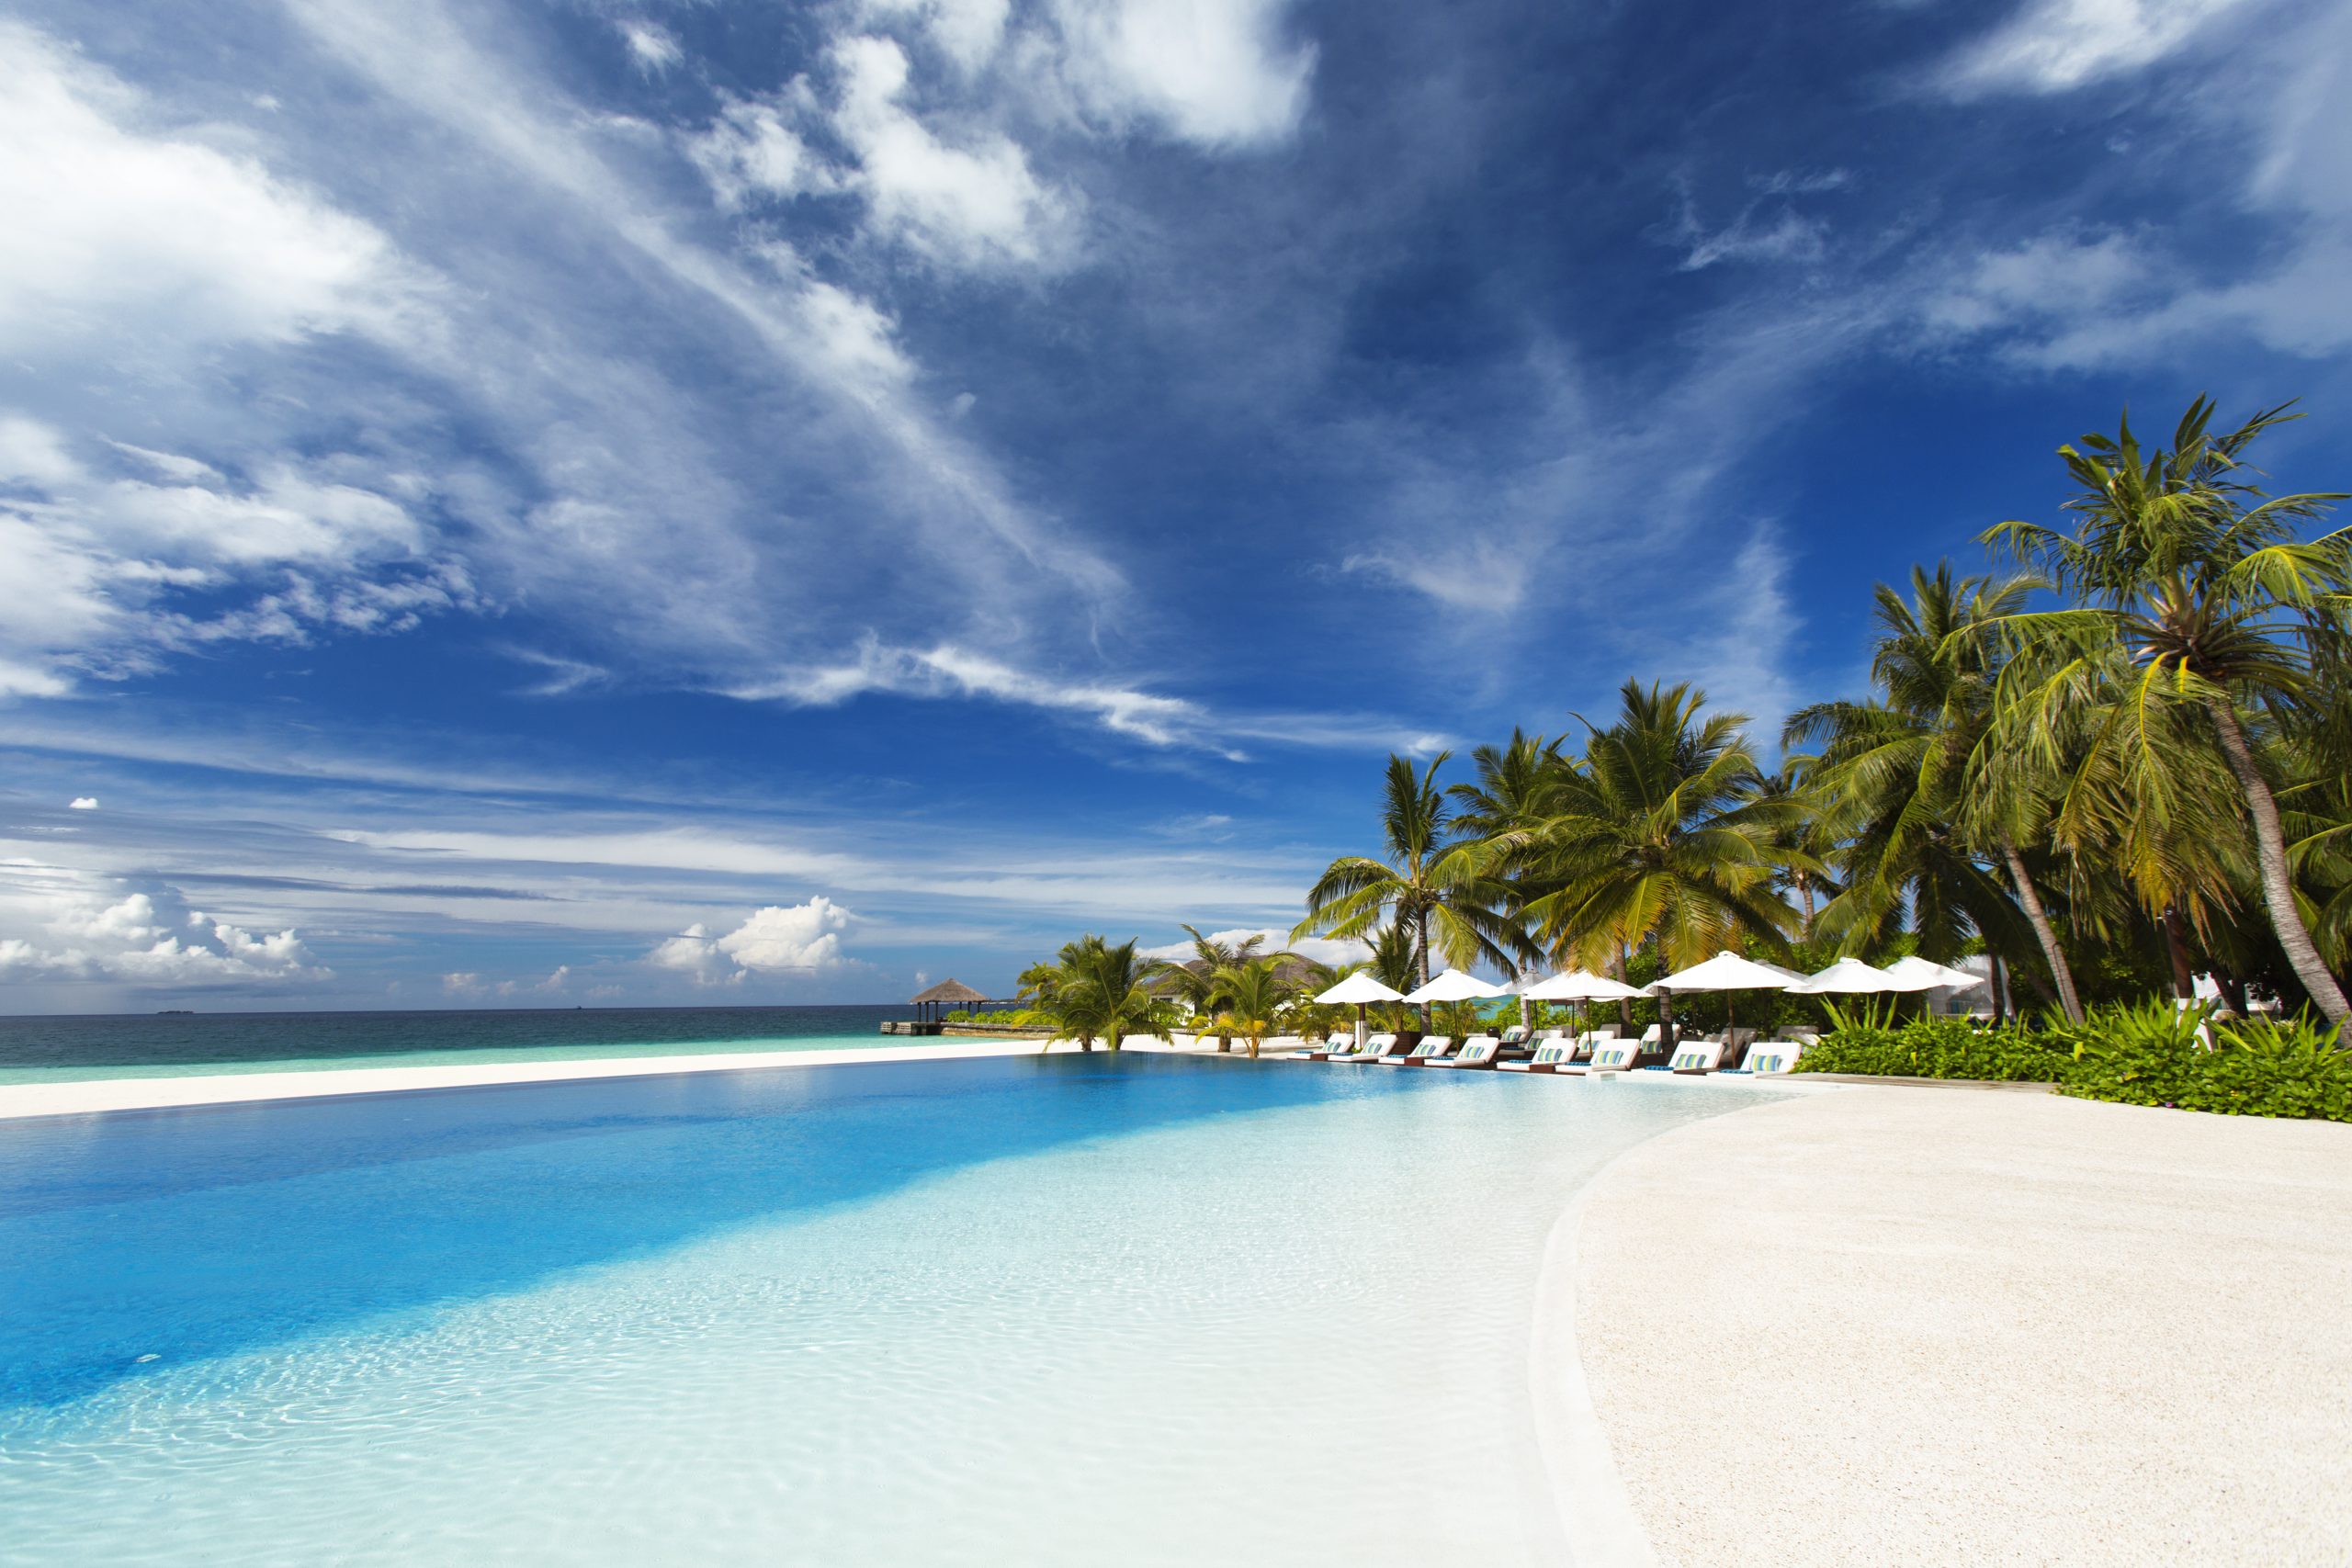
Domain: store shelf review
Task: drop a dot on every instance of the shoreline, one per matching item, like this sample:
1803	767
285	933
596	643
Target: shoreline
93	1097
87	1097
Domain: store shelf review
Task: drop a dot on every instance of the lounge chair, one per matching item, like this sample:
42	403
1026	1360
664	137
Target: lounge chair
1478	1051
1610	1057
1432	1047
1550	1056
1697	1057
1766	1057
1344	1049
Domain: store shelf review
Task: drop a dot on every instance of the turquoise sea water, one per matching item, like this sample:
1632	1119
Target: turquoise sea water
54	1050
1049	1309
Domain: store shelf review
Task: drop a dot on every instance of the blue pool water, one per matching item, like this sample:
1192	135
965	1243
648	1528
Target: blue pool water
1037	1309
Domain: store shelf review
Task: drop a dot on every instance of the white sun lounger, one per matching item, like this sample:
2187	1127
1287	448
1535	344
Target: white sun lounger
1552	1056
1696	1056
1478	1051
1766	1057
1432	1047
1610	1057
1344	1049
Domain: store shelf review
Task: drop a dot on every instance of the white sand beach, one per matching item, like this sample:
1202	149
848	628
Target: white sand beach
1914	1326
160	1093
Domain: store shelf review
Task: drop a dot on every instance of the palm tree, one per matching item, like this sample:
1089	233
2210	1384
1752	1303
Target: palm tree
1806	836
1425	881
2197	582
1195	982
1663	836
1094	990
1254	994
1519	785
1904	781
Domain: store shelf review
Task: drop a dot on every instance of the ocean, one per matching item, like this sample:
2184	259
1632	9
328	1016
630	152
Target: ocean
49	1050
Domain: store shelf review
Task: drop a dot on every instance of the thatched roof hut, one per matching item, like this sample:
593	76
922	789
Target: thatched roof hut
948	993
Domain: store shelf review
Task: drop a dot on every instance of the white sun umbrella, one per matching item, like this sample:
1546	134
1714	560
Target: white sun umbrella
1936	974
1851	977
1453	986
1359	990
1727	972
1580	986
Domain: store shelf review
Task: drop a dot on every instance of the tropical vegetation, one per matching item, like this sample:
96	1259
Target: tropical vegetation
2116	759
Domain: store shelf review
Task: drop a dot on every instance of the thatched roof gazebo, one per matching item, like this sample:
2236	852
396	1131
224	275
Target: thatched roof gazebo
948	993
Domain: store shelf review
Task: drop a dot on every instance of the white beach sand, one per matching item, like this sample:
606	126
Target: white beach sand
227	1088
1924	1326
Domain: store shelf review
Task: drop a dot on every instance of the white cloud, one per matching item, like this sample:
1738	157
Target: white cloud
1321	949
83	803
950	670
1788	237
95	557
650	46
2054	275
968	31
114	227
61	924
2054	46
751	150
32	453
1216	72
972	205
1749	625
801	939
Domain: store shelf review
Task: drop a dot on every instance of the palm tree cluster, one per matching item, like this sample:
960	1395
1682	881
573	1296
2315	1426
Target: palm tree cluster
2121	757
1094	990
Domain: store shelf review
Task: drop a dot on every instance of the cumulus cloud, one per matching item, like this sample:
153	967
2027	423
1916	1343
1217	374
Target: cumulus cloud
752	150
83	803
1217	73
968	31
799	939
114	224
973	203
62	924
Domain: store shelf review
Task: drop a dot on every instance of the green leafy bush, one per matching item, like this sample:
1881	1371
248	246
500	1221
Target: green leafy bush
2152	1054
1939	1048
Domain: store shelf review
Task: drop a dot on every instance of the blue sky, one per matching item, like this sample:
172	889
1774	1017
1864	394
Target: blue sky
697	501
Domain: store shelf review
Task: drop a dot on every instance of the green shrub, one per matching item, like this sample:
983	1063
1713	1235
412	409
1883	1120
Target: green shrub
1938	1048
2152	1054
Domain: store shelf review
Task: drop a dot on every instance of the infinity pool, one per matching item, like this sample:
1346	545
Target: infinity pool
1141	1309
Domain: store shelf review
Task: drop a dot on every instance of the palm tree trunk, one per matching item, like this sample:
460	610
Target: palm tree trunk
2068	1003
2184	984
1624	1004
1421	943
2277	885
1805	885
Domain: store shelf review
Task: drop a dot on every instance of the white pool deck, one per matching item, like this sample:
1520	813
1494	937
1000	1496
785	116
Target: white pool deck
1860	1325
